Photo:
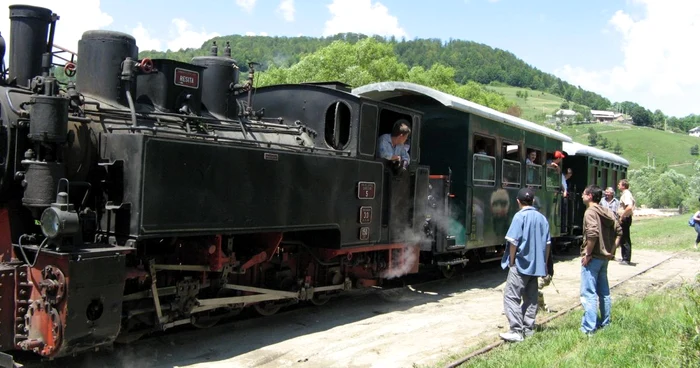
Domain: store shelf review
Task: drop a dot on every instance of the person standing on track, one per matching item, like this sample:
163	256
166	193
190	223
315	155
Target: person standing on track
526	256
602	235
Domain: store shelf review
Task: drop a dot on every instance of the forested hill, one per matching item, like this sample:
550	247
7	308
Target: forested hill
470	60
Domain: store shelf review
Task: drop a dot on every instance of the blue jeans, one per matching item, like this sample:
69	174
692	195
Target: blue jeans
595	293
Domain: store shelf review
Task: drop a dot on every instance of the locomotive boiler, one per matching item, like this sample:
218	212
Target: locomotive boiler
147	194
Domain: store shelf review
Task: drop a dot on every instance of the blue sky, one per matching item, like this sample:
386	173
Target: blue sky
639	50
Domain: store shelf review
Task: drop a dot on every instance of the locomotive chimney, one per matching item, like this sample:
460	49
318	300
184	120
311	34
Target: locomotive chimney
29	27
214	50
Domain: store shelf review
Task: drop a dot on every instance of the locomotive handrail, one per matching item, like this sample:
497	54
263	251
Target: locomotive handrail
236	140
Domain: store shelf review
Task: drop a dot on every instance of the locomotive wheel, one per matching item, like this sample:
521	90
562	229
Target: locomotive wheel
448	272
320	299
266	309
205	320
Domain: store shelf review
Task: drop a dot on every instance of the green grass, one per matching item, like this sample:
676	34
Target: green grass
664	234
536	106
634	339
672	149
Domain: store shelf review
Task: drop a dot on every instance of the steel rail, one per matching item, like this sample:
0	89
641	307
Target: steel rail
494	345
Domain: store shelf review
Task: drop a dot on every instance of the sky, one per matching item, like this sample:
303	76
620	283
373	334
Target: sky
643	51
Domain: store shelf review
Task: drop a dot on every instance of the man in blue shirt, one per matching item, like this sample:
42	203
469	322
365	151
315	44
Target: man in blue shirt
526	256
393	146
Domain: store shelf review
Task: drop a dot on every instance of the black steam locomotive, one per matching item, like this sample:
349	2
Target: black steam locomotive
149	194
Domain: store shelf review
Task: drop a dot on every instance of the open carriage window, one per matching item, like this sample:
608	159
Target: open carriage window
511	164
533	171
484	162
553	179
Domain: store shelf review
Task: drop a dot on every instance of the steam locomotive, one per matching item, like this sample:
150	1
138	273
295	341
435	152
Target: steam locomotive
151	193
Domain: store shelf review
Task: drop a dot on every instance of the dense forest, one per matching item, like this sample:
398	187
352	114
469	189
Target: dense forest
472	61
465	62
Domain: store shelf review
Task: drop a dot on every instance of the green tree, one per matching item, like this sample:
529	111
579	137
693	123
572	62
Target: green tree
564	105
592	136
618	148
641	116
695	150
604	143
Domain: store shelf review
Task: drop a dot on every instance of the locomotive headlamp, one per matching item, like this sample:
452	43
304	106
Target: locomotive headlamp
60	219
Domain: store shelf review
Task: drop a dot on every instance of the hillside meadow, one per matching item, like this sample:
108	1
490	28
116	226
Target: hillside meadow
535	107
671	149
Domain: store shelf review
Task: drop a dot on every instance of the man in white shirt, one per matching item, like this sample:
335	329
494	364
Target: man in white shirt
625	211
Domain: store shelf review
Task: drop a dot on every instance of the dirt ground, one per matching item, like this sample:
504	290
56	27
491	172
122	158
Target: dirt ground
427	324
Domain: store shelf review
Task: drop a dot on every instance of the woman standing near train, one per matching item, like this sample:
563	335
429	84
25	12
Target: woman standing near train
696	225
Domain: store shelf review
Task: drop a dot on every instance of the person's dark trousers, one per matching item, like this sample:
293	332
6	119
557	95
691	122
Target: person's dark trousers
626	246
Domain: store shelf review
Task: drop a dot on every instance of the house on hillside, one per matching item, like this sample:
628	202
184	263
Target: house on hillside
564	115
603	116
695	132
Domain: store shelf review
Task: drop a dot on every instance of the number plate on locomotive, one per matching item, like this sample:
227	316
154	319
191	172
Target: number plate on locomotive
186	78
365	214
365	190
364	233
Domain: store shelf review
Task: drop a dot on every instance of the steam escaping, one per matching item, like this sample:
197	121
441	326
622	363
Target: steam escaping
407	259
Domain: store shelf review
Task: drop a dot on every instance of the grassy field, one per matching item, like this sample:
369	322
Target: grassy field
634	340
665	234
668	148
536	106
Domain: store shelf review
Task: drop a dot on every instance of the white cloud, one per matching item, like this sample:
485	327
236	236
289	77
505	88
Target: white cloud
74	20
286	8
254	34
362	16
182	36
659	65
247	5
144	39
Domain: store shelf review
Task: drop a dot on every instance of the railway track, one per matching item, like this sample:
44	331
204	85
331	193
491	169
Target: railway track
561	313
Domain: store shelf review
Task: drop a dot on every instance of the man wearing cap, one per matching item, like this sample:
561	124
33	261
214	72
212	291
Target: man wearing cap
526	256
393	146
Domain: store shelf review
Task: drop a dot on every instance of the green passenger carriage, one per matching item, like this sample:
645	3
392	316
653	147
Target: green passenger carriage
483	153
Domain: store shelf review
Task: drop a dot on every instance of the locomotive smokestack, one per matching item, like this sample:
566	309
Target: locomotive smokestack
29	27
214	51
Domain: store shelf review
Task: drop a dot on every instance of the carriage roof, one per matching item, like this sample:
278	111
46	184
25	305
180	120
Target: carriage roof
578	149
385	90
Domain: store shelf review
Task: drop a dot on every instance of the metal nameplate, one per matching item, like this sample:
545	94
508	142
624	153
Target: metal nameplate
365	214
186	78
366	190
364	233
271	157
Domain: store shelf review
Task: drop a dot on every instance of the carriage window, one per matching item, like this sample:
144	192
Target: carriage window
484	170
484	162
533	167
510	151
593	175
553	179
511	173
337	129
